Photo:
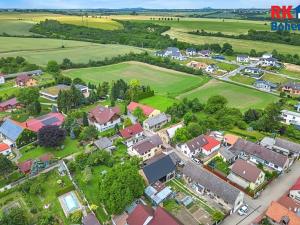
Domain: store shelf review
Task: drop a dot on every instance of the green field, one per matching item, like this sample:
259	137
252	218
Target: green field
15	27
163	81
237	96
243	79
228	26
238	45
41	50
159	102
275	78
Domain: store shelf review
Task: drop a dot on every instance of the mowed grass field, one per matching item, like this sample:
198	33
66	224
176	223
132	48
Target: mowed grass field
159	102
163	81
228	26
42	50
243	46
237	96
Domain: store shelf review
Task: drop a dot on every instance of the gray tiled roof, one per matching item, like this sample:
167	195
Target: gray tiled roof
211	182
228	155
147	144
196	143
155	120
292	146
103	143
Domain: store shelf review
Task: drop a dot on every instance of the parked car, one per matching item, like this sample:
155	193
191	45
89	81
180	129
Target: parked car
243	210
196	161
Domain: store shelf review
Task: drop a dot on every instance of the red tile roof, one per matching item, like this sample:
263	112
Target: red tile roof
288	202
246	170
139	215
159	216
211	143
4	147
25	167
296	186
23	78
35	124
103	114
146	109
277	212
130	131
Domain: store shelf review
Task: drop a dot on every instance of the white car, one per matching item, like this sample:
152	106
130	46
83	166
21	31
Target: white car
243	210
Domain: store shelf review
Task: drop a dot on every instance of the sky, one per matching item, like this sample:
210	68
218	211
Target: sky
151	4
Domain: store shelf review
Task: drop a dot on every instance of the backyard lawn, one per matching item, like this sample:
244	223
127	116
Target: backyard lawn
218	164
31	152
275	78
163	81
159	102
243	79
234	93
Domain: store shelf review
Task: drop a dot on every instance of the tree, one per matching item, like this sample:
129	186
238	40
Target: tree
15	216
120	186
87	174
181	135
127	122
89	133
215	103
194	129
85	120
34	108
189	117
51	136
47	219
53	67
252	115
26	137
28	96
6	166
139	114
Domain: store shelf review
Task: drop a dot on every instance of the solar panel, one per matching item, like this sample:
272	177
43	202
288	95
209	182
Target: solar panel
50	121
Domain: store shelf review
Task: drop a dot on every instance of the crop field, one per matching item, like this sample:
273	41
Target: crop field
41	50
243	46
237	96
20	23
163	81
228	26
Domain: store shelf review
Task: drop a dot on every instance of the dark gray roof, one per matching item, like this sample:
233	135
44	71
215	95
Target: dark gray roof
159	168
289	145
265	82
211	182
90	219
259	151
103	143
155	120
293	85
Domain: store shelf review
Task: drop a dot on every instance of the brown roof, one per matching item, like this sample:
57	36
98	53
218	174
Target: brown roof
246	170
23	78
139	215
197	143
147	144
260	152
102	114
130	131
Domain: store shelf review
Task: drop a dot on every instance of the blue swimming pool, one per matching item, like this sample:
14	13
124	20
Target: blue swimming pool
71	202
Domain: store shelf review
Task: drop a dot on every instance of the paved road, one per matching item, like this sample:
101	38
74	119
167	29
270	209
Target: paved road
258	206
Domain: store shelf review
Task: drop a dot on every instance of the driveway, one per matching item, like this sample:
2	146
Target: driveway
273	192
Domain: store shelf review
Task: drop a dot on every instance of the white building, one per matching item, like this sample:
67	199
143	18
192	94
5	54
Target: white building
290	118
5	149
211	68
2	79
243	58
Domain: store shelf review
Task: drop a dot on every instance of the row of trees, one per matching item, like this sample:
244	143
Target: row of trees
15	64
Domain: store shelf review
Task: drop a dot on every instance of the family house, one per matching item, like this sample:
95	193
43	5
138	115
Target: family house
145	215
171	52
201	144
162	169
260	155
246	175
230	139
51	93
156	122
266	62
290	117
212	68
197	65
25	81
291	88
147	148
265	85
191	52
5	149
227	155
295	191
277	214
282	146
132	134
205	53
104	118
243	59
35	124
254	72
2	78
9	105
10	131
147	110
105	143
206	183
